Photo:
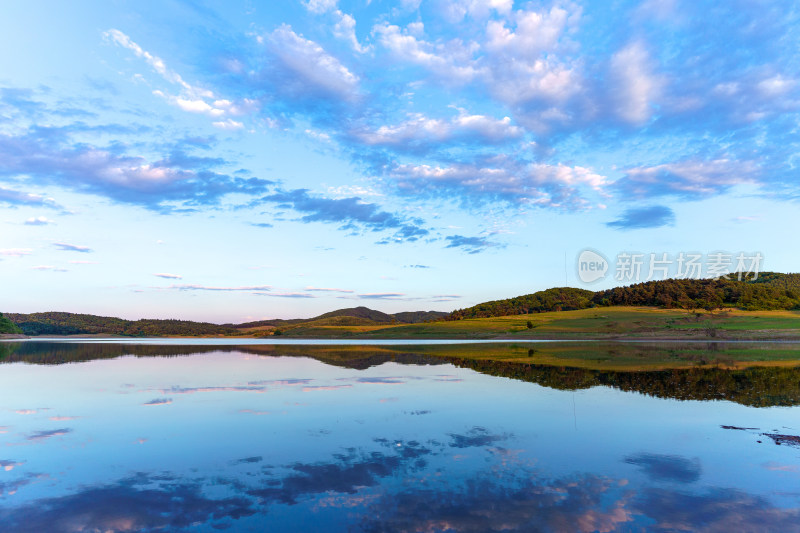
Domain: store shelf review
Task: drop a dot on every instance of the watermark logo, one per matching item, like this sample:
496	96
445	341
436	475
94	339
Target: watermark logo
635	267
592	266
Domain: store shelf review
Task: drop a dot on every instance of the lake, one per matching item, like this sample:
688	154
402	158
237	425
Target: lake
204	436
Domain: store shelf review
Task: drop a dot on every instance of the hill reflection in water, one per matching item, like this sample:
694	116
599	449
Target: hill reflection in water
114	437
703	371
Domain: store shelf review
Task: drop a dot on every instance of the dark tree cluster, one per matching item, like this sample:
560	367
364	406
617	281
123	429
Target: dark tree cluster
757	387
7	326
558	299
55	323
774	292
769	291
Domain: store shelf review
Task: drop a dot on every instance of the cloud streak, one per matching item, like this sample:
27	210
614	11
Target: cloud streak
48	434
249	288
12	197
352	214
646	217
15	252
471	245
66	247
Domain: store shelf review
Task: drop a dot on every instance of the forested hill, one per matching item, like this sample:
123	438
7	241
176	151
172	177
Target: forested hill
54	323
363	314
558	299
407	317
58	323
8	327
771	290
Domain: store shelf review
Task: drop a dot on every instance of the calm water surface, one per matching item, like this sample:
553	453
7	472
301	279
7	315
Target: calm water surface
110	437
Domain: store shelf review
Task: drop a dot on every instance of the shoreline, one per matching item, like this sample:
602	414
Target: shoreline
789	339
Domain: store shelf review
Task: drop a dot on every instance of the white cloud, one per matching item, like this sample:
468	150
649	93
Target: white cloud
228	124
320	6
533	34
38	221
776	86
155	62
690	178
191	105
344	25
318	135
313	66
192	98
417	128
198	106
121	39
635	87
17	197
15	252
410	5
504	179
489	128
455	10
754	97
543	80
532	68
452	61
345	28
421	130
245	106
346	191
417	29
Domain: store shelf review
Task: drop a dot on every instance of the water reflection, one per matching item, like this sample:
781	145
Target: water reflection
58	353
674	468
760	386
139	503
392	491
272	438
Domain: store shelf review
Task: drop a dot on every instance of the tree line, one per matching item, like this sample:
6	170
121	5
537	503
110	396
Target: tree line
757	386
770	291
57	323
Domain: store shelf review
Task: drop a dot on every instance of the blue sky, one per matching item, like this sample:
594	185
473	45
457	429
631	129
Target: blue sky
244	160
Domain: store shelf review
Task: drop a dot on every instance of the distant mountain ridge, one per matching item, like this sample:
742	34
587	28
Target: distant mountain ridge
770	291
367	315
62	323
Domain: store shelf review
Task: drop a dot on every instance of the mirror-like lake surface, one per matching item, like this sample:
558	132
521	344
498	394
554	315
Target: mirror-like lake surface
116	437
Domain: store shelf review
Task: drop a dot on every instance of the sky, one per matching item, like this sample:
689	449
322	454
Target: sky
236	161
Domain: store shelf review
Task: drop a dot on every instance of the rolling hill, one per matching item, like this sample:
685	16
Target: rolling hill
60	323
770	291
352	316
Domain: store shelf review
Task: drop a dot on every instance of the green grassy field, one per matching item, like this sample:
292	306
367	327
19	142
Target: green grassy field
595	323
